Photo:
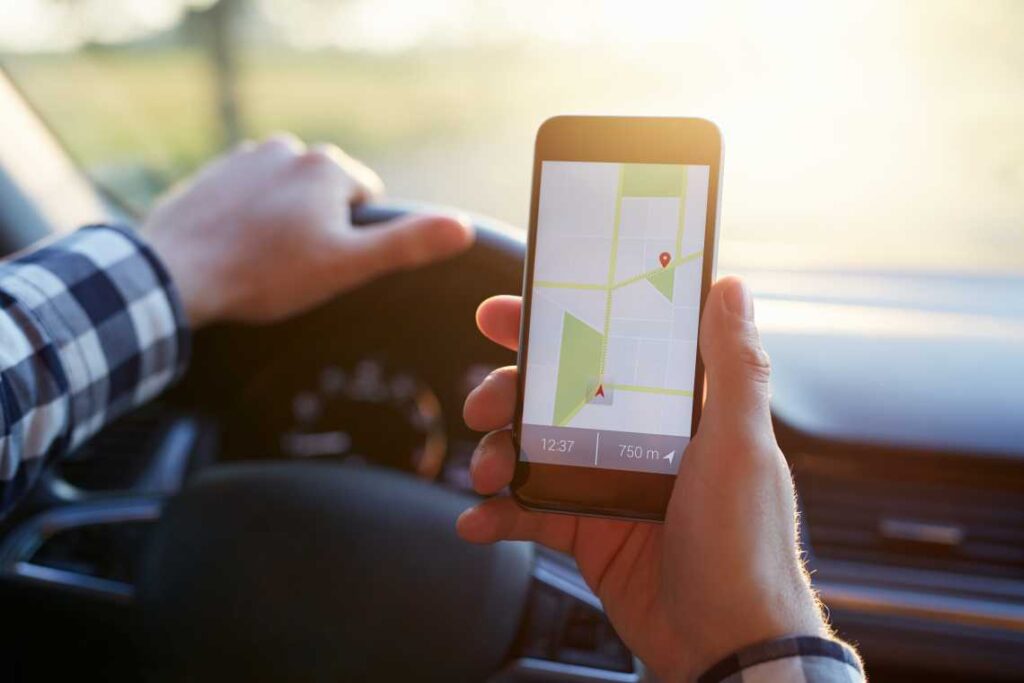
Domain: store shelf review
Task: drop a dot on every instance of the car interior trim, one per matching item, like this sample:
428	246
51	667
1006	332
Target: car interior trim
22	543
551	573
116	591
532	669
928	606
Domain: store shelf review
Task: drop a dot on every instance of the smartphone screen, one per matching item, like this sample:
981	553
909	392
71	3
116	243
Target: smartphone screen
611	380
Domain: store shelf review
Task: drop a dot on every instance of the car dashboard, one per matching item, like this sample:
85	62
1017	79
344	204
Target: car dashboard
897	402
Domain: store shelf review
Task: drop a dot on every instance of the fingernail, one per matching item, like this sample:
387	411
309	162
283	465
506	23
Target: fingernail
466	224
738	300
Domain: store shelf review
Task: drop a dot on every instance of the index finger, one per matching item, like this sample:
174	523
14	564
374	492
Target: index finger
498	318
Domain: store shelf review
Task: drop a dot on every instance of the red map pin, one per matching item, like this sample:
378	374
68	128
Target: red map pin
664	257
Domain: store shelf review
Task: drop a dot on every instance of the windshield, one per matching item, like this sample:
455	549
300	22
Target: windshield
869	134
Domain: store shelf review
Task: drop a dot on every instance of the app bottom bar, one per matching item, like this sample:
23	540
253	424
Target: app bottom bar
630	451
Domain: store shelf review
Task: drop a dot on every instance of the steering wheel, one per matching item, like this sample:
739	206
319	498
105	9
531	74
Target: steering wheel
316	571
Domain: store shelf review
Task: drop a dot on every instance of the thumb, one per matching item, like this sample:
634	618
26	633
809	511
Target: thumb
737	365
412	241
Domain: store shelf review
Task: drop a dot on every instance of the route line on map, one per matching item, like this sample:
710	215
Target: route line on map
553	284
682	212
611	272
650	390
626	387
611	285
655	271
557	284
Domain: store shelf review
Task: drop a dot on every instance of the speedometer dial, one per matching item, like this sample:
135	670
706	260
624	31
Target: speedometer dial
368	412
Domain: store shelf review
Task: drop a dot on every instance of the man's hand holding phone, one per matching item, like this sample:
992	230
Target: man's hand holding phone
723	571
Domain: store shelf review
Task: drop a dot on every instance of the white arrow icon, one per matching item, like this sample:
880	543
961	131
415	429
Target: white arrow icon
669	457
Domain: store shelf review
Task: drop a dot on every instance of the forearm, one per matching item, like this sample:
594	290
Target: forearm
90	328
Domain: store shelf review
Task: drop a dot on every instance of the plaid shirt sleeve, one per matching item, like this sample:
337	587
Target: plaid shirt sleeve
90	327
798	659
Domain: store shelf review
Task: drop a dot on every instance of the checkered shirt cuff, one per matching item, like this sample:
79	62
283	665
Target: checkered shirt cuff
798	659
90	327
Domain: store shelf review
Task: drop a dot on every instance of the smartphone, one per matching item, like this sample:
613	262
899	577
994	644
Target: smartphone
621	254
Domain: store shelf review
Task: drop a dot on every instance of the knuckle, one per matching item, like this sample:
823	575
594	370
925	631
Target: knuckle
319	156
398	253
282	143
755	360
330	151
370	182
762	462
322	165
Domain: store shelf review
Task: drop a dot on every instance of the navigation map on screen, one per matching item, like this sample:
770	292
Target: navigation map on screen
615	305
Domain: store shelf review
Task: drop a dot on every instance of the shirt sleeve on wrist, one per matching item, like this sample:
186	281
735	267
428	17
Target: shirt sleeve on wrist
113	317
801	659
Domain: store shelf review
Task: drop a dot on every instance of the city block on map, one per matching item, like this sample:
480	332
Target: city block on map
616	296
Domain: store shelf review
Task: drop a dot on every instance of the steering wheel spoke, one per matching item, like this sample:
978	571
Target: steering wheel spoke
565	634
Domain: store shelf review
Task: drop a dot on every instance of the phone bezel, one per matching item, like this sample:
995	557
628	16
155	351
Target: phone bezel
595	491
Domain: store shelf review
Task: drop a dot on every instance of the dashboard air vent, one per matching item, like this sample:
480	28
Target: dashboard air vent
953	515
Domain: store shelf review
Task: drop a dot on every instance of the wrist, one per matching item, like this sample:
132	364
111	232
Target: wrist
197	296
771	618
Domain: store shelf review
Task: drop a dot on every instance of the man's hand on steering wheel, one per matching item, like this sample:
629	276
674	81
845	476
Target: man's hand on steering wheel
723	571
264	232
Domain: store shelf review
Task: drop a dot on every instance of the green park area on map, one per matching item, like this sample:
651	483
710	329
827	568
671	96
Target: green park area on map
578	364
584	349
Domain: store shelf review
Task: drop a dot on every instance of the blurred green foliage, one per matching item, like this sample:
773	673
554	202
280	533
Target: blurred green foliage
139	118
